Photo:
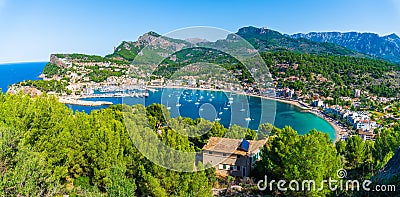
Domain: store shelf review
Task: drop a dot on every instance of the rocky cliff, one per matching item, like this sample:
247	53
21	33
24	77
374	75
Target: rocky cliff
385	47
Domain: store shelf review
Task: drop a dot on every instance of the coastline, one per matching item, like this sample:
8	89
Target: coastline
338	130
75	100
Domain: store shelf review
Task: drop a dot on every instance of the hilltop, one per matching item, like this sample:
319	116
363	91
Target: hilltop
262	39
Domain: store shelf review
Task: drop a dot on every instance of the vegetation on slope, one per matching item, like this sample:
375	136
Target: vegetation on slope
333	76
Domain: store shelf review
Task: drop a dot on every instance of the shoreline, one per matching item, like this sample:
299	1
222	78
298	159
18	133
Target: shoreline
338	131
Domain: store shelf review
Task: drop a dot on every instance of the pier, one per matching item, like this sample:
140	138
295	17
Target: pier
73	101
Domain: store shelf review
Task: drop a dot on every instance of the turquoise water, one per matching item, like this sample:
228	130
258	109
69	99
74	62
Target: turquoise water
244	111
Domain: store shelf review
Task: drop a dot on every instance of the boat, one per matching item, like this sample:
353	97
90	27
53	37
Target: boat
226	108
230	98
152	90
217	119
197	103
248	119
178	105
168	107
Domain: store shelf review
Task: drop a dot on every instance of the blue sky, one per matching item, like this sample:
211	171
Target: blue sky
32	30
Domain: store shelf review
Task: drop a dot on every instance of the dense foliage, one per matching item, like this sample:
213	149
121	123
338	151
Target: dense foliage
122	51
48	150
270	40
46	86
194	55
52	69
333	76
288	156
99	75
90	58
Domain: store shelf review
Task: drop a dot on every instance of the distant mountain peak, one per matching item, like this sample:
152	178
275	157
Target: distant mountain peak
385	47
196	40
393	36
262	39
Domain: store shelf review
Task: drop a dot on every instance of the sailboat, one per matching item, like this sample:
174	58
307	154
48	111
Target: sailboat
226	107
220	113
168	107
243	109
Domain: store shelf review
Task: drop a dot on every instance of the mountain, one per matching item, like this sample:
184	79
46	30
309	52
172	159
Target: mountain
161	47
262	39
385	47
270	40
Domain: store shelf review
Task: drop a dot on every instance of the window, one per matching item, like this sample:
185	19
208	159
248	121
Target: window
238	156
224	154
221	167
235	168
210	152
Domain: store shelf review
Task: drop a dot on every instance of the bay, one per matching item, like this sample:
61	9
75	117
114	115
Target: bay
246	111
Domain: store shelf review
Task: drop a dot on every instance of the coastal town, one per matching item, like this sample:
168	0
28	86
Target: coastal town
124	80
199	98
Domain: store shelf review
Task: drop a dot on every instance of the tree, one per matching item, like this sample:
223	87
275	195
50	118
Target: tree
355	151
288	156
265	130
119	184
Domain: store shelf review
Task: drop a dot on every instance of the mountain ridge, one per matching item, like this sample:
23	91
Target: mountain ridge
262	39
385	47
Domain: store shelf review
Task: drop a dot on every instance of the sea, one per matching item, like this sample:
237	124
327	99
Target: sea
227	108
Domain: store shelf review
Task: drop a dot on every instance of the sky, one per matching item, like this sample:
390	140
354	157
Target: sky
32	30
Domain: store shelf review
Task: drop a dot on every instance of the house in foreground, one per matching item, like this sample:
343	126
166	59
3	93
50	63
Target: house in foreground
234	157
